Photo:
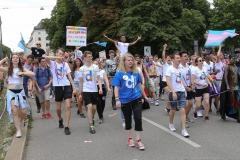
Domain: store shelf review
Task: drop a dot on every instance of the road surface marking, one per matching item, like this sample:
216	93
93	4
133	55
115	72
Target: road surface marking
172	133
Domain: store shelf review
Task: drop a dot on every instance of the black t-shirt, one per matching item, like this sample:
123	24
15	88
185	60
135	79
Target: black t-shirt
37	52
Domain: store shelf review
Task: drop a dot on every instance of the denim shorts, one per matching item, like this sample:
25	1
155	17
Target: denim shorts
76	84
181	100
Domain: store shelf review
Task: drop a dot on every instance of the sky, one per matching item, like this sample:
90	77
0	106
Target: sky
22	16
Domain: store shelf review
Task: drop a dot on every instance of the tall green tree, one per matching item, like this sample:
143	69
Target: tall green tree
6	51
65	13
159	22
226	15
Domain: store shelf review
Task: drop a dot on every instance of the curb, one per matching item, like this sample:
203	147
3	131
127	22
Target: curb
17	147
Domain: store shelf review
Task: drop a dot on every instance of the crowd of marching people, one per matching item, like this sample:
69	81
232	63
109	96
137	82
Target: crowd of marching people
188	83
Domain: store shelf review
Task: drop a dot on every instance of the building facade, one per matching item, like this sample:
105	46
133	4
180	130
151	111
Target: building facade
39	34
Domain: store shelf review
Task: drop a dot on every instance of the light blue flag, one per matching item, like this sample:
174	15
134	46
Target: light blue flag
104	44
21	44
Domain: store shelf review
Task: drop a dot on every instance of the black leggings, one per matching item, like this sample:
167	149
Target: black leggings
161	89
135	107
101	105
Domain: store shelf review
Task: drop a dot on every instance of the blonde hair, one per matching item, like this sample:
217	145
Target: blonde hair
121	66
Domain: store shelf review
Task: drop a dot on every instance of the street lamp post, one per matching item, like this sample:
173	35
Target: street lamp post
1	48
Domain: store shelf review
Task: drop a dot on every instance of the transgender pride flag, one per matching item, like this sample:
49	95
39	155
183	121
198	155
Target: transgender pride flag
215	38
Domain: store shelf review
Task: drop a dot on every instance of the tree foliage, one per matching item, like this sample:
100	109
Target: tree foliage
226	15
6	50
175	22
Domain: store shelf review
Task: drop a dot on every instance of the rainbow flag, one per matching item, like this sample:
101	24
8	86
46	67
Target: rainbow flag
215	38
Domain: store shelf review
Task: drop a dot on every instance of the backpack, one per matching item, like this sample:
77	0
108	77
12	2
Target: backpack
37	72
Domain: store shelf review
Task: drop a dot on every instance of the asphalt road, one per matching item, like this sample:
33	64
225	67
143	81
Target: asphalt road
212	140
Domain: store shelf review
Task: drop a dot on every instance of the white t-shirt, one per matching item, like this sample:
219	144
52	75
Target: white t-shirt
176	78
76	75
201	76
165	67
78	54
186	74
101	72
208	66
123	48
59	72
220	67
159	69
89	75
192	67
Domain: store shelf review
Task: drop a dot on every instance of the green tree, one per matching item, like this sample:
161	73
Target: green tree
65	13
226	15
6	51
172	22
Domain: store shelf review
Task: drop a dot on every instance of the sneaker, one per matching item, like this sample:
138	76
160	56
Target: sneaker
201	107
92	130
0	98
82	115
172	128
38	111
161	98
189	120
18	134
156	103
100	121
140	145
43	116
124	125
167	111
199	113
131	142
61	124
75	101
49	116
185	133
78	112
207	119
32	97
51	97
177	109
67	131
195	116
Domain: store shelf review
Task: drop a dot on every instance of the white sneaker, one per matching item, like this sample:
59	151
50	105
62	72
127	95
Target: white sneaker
18	134
32	97
199	113
156	103
123	125
172	128
51	97
185	133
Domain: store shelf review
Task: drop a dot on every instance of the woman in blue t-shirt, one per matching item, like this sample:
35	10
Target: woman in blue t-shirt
128	92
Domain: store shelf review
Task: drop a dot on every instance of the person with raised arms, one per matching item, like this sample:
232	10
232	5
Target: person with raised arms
123	46
128	92
64	86
177	95
16	99
88	74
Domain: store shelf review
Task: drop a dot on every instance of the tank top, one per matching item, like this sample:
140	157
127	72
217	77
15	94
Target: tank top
15	79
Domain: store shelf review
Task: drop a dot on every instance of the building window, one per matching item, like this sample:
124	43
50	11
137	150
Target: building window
39	32
47	38
39	38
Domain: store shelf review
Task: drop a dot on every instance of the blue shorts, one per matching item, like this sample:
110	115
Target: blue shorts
181	100
76	84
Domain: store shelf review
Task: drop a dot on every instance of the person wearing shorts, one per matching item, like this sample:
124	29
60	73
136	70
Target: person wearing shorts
189	87
177	94
43	82
88	85
64	86
200	78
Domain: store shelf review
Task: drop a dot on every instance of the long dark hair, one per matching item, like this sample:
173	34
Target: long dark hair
75	65
10	68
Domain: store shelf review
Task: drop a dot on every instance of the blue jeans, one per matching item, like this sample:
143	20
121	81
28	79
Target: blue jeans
181	100
25	84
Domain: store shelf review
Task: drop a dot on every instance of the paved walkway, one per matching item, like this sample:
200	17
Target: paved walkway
216	139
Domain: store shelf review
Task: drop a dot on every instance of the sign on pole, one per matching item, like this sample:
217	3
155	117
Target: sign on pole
147	50
76	36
